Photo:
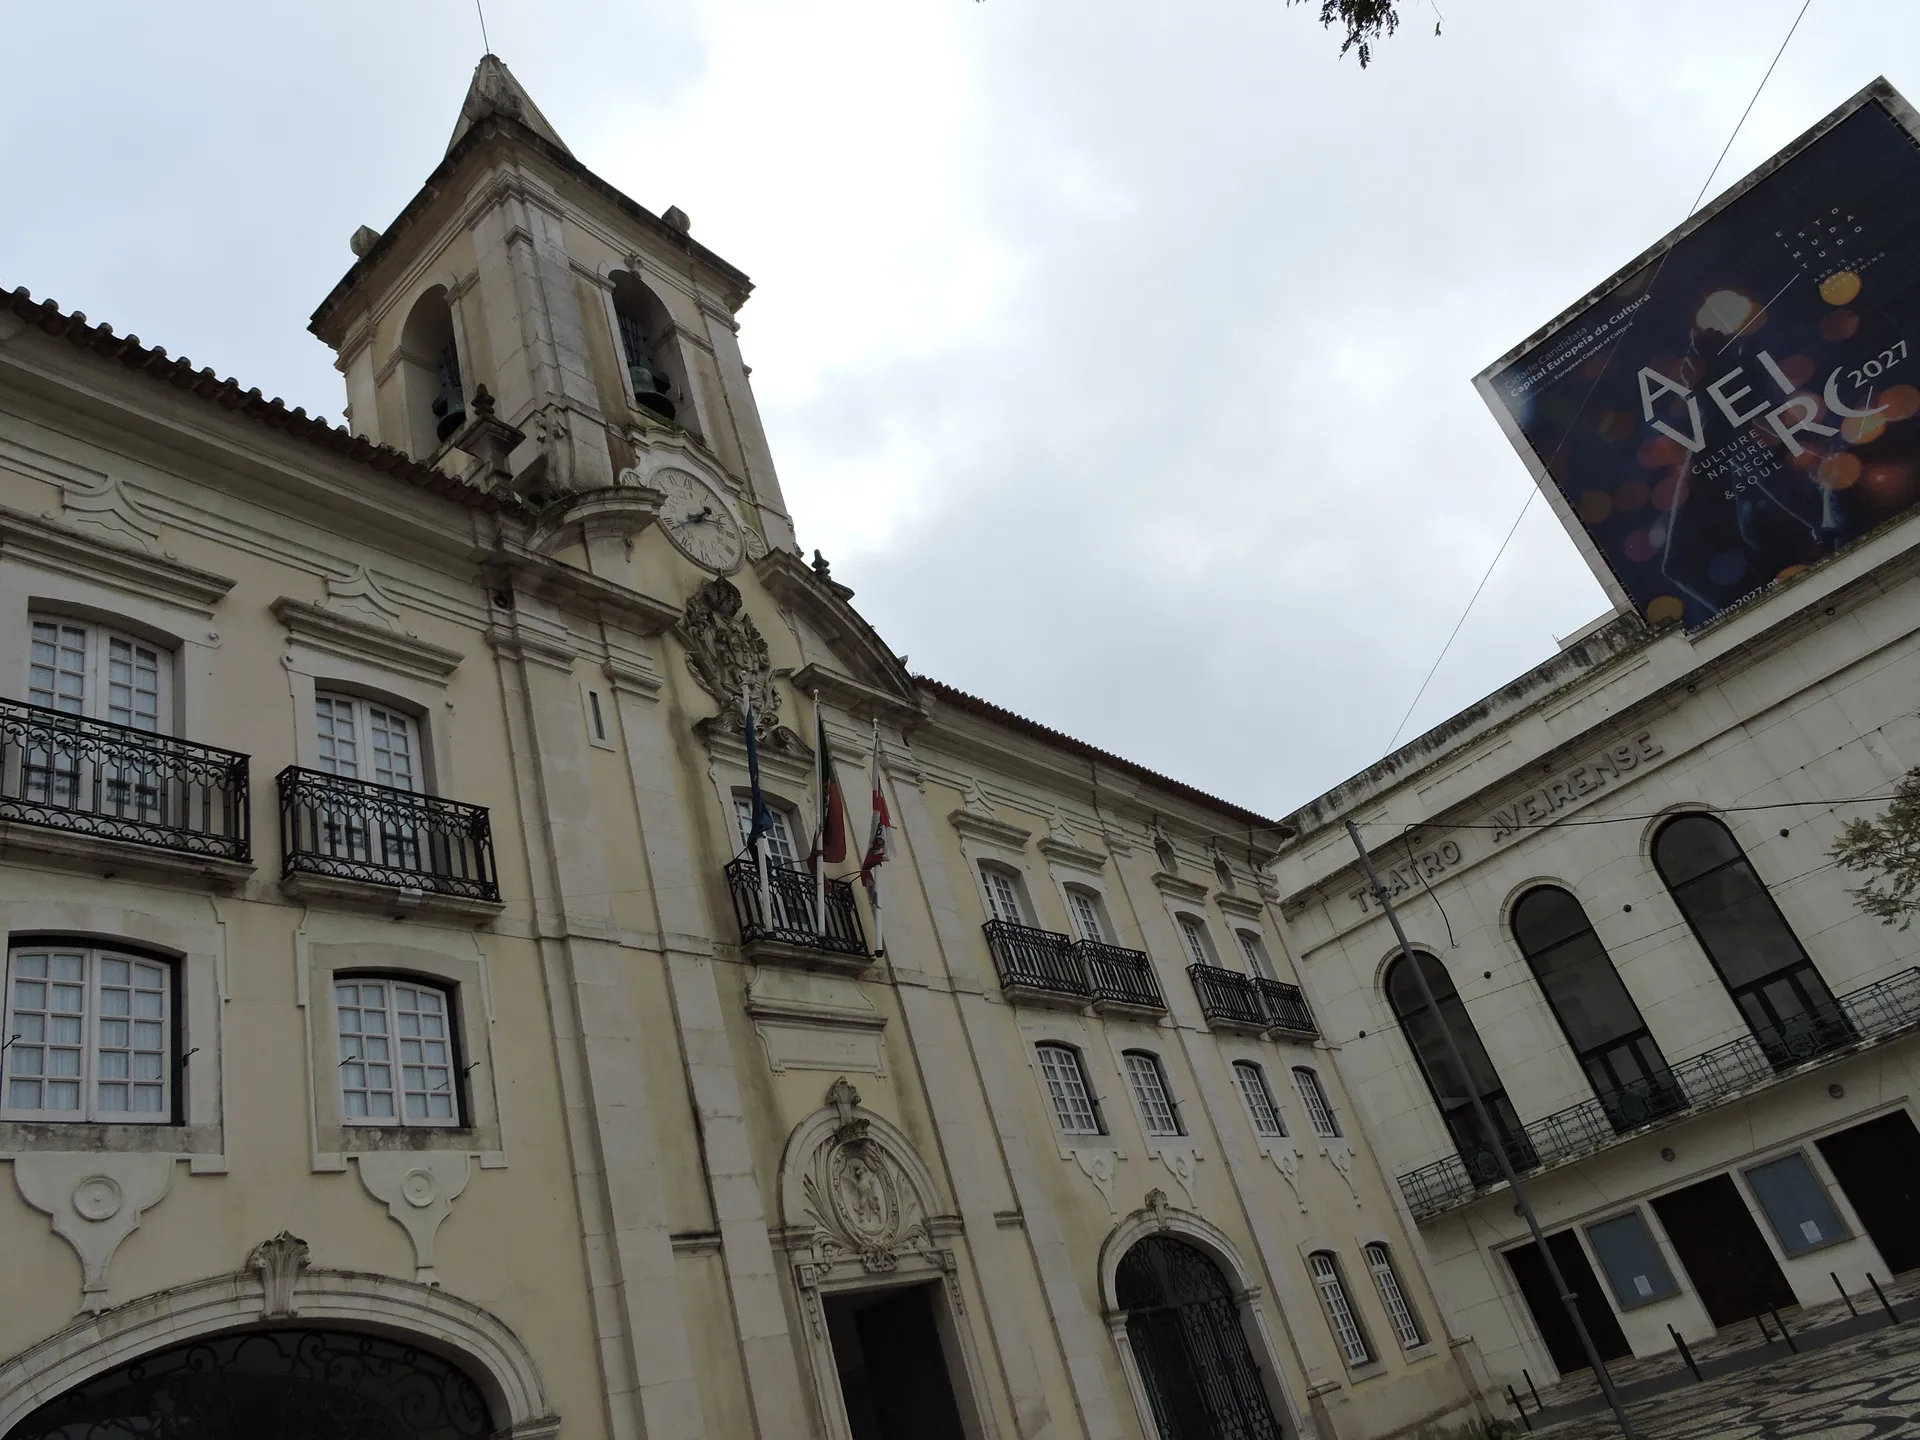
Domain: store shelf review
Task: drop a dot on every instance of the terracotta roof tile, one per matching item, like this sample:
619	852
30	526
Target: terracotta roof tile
156	364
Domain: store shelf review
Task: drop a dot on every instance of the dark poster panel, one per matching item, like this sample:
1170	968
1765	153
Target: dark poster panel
1744	404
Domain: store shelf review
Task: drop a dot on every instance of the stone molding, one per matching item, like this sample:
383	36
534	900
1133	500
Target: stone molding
479	1342
94	1201
334	634
1176	887
1079	857
1239	905
994	832
130	570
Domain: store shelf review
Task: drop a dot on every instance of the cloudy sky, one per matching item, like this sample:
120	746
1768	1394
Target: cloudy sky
1117	353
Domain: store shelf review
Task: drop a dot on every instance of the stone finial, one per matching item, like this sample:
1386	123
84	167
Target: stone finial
363	241
821	567
677	218
279	1262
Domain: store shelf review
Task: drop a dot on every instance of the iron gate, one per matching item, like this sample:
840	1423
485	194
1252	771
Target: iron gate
1184	1328
285	1383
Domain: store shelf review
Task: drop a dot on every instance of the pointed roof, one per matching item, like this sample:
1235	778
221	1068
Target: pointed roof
494	91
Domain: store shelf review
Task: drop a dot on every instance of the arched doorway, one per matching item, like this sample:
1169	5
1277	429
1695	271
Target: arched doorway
286	1382
1183	1326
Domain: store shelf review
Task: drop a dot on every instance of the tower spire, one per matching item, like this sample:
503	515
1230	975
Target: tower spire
494	91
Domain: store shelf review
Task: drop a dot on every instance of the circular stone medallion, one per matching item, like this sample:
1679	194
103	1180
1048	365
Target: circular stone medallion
97	1198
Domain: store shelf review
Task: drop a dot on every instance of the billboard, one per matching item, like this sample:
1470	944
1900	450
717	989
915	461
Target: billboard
1743	401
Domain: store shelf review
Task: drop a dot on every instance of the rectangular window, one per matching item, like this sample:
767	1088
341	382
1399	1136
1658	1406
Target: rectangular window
1194	935
89	1036
1333	1295
1314	1099
1067	1088
88	670
1003	899
1253	1089
780	846
1636	1270
1392	1298
1796	1204
359	740
1150	1093
1086	916
396	1054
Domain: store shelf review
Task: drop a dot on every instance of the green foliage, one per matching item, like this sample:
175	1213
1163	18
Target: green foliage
1887	851
1365	21
1472	1430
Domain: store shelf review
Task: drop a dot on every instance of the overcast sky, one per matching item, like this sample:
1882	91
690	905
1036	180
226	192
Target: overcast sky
1117	353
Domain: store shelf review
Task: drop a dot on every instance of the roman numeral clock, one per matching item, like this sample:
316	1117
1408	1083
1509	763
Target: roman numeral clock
698	521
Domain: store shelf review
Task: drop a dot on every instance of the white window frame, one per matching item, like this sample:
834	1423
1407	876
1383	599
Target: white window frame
1313	1099
783	839
1393	1295
1324	1266
1001	886
1083	913
360	1054
1152	1096
1194	936
1251	1080
1064	1072
1254	948
97	1019
96	672
371	722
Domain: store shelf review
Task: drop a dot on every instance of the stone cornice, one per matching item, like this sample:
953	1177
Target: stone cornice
352	639
856	697
92	557
983	827
1067	853
1239	905
1177	888
576	590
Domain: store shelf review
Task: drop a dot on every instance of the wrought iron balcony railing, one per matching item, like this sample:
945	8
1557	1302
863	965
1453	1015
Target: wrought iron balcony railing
376	834
1037	963
1122	979
791	915
1287	1009
90	777
1227	998
1869	1013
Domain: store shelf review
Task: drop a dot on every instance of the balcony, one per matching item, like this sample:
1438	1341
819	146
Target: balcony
785	924
355	840
78	782
1860	1017
1037	965
1287	1010
1122	980
1228	1000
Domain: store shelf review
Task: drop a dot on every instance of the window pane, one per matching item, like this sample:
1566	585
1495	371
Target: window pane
339	751
366	1071
133	684
1636	1270
1002	899
1066	1086
57	667
391	738
1253	1089
1392	1298
1256	954
1150	1090
1314	1099
1195	937
426	1052
1086	917
1796	1203
1692	845
1333	1295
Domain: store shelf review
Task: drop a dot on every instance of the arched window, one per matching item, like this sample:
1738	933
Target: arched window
1151	1094
1074	1108
1393	1297
397	1063
1083	908
1255	949
90	1035
1005	901
1453	1091
1193	934
1602	1024
650	350
435	389
1780	994
1313	1098
1265	1115
1327	1279
1186	1334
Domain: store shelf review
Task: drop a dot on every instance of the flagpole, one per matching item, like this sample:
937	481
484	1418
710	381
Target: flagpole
756	832
820	808
873	874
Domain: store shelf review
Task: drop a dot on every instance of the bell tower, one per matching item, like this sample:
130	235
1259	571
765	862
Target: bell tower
524	326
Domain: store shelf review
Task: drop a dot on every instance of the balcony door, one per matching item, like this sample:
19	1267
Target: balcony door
1453	1091
360	739
789	885
1723	1251
94	673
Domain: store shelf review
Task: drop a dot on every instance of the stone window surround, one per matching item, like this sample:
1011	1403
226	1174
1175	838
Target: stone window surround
780	774
1410	1353
1056	1027
1320	1244
995	842
466	981
198	949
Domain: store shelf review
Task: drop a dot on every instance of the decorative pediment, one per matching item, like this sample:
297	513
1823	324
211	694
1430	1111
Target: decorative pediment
994	832
1067	853
869	678
1241	905
1179	887
355	639
855	1192
51	545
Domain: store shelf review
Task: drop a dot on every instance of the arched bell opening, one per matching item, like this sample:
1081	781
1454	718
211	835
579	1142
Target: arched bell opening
1187	1332
434	387
289	1382
649	352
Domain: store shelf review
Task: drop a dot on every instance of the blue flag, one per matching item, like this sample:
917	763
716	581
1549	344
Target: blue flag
762	817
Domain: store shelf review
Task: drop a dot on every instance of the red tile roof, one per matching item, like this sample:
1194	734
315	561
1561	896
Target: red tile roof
157	365
1046	734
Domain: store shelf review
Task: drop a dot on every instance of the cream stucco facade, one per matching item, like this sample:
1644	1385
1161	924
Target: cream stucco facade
385	975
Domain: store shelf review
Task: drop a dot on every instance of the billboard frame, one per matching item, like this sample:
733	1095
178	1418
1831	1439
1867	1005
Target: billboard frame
1879	91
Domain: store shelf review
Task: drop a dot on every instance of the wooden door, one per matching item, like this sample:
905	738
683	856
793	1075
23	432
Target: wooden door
1878	1165
906	1368
1550	1315
1723	1251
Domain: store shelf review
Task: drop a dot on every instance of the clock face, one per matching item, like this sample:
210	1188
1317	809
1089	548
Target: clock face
698	522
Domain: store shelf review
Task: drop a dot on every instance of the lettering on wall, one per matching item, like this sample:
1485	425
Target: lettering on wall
1540	805
1426	865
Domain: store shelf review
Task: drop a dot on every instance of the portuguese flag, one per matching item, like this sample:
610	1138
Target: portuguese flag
831	844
